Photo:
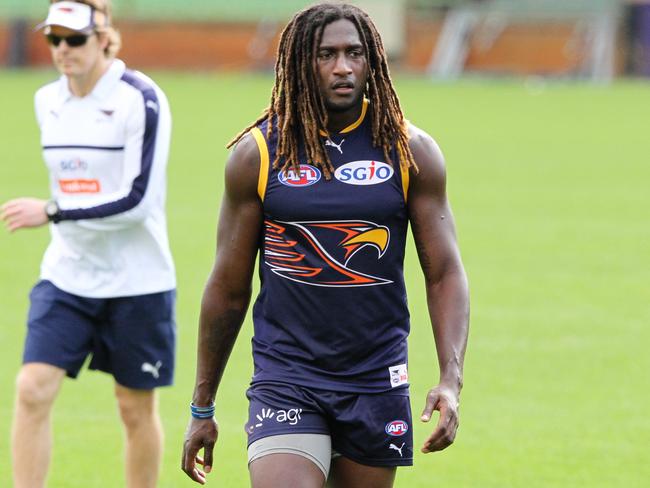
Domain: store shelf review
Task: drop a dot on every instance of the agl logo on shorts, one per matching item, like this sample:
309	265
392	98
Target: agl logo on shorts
364	173
290	416
396	428
308	175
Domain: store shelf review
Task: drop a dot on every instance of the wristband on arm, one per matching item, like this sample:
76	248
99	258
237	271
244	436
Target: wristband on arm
202	412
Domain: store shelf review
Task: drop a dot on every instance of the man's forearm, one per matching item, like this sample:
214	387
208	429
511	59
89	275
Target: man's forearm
448	302
220	323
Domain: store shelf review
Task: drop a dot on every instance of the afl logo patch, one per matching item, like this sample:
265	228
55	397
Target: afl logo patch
308	175
364	173
396	428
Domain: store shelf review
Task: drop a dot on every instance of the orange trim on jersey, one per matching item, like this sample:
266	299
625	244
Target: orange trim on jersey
355	124
405	171
405	180
263	177
364	109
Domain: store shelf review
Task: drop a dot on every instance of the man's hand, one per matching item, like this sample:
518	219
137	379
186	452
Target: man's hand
23	212
201	434
445	400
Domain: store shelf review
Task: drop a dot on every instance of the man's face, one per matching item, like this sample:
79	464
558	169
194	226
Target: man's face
79	60
341	66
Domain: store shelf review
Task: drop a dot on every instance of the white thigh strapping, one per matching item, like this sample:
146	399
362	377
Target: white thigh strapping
315	447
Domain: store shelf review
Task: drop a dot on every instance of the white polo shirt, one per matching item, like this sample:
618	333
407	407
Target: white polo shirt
107	155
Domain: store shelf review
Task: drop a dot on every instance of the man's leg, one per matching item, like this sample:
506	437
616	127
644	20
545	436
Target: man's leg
286	471
345	473
144	435
37	386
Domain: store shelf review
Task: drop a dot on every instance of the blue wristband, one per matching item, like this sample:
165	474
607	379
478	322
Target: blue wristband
202	412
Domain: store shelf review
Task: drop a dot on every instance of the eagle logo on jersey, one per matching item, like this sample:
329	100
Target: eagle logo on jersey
319	253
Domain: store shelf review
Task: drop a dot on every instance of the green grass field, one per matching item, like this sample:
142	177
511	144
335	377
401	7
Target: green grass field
549	186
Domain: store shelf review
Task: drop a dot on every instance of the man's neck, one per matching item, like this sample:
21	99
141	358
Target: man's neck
80	86
337	121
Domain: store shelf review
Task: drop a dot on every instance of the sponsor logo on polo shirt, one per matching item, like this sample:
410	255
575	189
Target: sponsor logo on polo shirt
106	116
396	428
308	175
74	164
364	173
79	186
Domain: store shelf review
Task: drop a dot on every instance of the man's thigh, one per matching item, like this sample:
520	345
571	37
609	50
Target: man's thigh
288	437
285	470
315	448
370	434
372	429
61	328
296	471
281	409
346	473
137	344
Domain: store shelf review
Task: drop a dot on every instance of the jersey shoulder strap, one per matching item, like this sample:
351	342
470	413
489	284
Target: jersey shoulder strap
263	176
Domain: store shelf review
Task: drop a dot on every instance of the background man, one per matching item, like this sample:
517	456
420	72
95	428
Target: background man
107	284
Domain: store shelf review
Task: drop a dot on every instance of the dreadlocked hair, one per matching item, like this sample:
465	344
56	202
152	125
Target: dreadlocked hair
297	106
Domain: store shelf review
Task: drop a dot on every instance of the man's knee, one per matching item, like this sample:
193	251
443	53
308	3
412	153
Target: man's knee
37	385
137	407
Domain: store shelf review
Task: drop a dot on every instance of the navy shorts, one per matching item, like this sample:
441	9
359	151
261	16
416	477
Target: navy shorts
371	429
132	338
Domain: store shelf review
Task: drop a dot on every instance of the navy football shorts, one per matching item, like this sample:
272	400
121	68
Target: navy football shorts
132	338
370	429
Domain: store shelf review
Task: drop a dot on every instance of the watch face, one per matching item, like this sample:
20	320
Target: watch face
51	208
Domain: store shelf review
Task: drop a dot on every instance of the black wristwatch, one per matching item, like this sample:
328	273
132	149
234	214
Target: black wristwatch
53	211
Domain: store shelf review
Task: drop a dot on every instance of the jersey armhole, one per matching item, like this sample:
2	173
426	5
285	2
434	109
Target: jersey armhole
263	176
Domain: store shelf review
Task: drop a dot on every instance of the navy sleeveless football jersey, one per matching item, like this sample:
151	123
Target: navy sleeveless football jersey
332	309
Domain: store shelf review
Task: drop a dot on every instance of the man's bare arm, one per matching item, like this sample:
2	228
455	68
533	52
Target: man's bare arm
446	284
226	296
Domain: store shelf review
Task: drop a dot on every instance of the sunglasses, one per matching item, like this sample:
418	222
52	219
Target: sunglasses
72	41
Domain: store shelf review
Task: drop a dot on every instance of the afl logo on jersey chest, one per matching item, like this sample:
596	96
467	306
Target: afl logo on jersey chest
364	173
308	175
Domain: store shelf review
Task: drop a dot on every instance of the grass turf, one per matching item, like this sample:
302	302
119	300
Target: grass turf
549	189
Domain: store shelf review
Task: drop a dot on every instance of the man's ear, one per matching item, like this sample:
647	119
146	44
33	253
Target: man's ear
102	37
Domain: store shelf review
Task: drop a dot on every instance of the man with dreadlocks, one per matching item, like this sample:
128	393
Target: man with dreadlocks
323	185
